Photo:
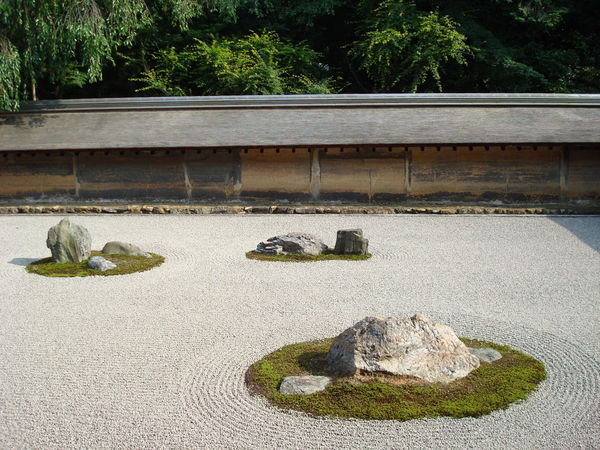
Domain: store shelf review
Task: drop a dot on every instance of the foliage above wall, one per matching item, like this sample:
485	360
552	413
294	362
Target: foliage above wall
100	48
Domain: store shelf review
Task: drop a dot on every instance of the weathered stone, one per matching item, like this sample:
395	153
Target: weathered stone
486	354
123	248
100	263
411	346
303	385
69	242
351	242
298	243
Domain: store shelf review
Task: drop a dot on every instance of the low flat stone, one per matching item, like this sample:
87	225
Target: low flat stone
304	385
123	248
297	243
486	354
100	263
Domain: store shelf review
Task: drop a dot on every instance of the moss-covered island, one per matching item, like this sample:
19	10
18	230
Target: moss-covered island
126	264
292	257
490	387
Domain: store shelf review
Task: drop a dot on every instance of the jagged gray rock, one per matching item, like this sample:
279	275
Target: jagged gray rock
100	263
411	346
304	385
123	248
486	354
298	243
351	242
69	242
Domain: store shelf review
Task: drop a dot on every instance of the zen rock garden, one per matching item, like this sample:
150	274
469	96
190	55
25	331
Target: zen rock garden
421	365
70	245
350	244
397	368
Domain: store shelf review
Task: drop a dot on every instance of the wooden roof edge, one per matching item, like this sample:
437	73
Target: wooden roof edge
313	101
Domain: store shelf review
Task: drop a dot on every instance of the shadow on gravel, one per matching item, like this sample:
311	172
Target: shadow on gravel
22	261
587	229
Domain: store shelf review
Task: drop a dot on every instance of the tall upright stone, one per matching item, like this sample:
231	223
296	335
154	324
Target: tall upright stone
351	242
69	242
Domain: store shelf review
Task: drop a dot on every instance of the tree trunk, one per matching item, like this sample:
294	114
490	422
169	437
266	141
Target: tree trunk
33	91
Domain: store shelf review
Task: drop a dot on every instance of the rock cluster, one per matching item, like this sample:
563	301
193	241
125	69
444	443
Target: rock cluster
351	242
69	242
297	243
412	346
123	248
100	263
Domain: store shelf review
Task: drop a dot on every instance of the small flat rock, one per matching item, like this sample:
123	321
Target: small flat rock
304	385
123	248
100	263
486	354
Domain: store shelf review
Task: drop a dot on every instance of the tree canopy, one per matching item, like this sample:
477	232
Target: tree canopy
98	48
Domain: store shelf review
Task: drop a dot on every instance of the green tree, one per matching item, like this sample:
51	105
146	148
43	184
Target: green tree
526	45
401	48
259	63
64	42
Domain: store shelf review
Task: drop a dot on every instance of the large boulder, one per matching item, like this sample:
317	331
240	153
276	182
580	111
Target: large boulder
298	243
411	346
351	242
123	248
69	242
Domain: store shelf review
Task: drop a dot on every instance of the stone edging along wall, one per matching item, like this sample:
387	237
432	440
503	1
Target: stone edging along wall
277	209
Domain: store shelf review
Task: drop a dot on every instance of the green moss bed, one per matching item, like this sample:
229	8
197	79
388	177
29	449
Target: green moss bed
325	256
385	397
125	264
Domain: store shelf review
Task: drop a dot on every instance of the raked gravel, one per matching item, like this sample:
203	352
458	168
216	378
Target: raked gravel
157	359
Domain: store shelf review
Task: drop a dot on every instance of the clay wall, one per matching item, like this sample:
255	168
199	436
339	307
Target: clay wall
375	174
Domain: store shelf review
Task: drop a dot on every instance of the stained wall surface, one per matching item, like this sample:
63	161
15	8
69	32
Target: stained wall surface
397	173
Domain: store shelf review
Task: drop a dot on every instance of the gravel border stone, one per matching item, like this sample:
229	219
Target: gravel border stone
298	209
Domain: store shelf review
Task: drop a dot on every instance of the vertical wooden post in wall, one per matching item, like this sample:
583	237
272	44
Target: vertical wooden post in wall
186	176
564	170
407	170
75	175
315	173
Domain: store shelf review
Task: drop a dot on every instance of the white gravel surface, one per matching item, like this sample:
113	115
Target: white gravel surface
157	359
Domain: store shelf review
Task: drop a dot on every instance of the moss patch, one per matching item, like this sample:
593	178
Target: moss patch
490	387
125	264
325	256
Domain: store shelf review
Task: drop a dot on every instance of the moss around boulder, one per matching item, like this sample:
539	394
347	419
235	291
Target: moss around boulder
125	264
490	387
291	257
